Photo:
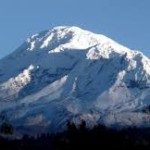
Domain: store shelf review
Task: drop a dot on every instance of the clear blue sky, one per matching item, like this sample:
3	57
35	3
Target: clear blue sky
126	21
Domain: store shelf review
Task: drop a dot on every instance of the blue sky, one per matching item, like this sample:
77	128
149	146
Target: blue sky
126	21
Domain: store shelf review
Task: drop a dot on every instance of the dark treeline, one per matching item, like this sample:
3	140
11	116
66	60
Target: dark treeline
81	137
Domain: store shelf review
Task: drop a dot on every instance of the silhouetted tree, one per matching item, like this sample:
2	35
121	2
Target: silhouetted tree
80	137
5	127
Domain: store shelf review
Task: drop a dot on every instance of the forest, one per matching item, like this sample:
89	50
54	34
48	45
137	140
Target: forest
81	137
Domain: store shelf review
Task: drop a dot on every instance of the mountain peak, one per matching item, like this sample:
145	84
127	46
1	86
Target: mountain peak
62	38
70	73
69	37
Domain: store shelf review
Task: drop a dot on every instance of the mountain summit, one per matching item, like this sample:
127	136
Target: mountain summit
67	73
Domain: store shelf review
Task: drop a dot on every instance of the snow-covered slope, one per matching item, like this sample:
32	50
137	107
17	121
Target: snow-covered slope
67	73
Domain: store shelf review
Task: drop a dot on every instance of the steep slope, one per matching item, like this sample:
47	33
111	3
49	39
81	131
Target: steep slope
67	73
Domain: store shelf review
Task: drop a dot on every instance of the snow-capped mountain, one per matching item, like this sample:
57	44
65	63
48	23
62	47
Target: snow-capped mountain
67	73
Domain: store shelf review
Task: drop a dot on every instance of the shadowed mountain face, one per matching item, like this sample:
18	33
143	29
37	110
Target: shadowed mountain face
67	73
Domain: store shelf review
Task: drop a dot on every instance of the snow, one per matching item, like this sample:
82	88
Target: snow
11	88
52	91
34	120
70	73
